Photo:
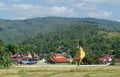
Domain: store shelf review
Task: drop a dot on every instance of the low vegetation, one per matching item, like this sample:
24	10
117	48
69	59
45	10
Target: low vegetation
78	71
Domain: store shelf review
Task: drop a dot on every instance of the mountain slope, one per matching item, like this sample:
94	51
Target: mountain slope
95	41
19	30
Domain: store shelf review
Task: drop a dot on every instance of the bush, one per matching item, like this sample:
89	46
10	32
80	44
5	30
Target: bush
113	62
5	56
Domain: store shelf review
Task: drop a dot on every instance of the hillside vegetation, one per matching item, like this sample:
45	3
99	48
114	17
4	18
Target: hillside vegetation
19	30
95	41
54	34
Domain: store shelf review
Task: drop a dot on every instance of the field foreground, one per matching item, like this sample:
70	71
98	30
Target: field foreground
75	71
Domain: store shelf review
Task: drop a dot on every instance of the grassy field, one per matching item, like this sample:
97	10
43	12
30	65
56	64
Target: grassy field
76	71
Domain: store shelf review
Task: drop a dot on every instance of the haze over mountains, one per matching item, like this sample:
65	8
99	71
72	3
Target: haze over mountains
12	31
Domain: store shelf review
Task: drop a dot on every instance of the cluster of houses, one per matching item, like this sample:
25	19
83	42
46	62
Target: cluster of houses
33	59
25	58
51	58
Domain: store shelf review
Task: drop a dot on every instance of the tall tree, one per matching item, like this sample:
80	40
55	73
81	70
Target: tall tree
5	56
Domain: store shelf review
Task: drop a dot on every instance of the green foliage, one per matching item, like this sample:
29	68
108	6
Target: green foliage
113	62
5	56
13	48
55	34
93	39
12	31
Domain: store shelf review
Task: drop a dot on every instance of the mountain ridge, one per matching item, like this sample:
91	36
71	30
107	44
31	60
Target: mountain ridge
19	30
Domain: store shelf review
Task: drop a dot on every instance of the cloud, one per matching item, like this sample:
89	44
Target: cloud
23	11
2	5
92	10
101	1
118	20
15	0
85	6
100	14
18	18
52	1
62	8
25	6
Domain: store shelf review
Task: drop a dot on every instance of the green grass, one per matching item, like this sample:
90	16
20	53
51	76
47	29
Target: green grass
78	71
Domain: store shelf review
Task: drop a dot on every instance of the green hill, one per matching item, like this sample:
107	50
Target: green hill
56	34
19	30
95	41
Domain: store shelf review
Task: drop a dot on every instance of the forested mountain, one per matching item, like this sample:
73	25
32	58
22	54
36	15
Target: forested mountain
58	34
19	30
95	41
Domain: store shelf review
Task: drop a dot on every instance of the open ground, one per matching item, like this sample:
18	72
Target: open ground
62	71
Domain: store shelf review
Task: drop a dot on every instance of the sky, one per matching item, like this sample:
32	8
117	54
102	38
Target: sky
25	9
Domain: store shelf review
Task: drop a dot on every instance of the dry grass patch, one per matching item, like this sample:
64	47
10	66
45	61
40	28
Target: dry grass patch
78	74
38	74
78	71
10	76
105	75
7	71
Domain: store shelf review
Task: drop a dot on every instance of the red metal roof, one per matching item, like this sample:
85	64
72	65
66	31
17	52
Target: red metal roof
105	58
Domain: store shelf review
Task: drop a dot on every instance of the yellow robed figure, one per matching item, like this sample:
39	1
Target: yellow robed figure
80	54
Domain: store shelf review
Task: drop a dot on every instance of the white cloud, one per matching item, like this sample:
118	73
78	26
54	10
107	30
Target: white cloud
2	5
91	10
25	6
52	1
18	18
62	11
59	9
23	11
85	6
69	8
99	14
101	1
15	0
118	20
93	1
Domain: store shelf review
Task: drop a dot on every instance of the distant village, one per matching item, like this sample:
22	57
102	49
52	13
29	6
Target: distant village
53	58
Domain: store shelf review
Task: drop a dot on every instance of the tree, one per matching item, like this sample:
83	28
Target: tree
5	56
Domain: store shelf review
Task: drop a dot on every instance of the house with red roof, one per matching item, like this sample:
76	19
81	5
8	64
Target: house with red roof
105	59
